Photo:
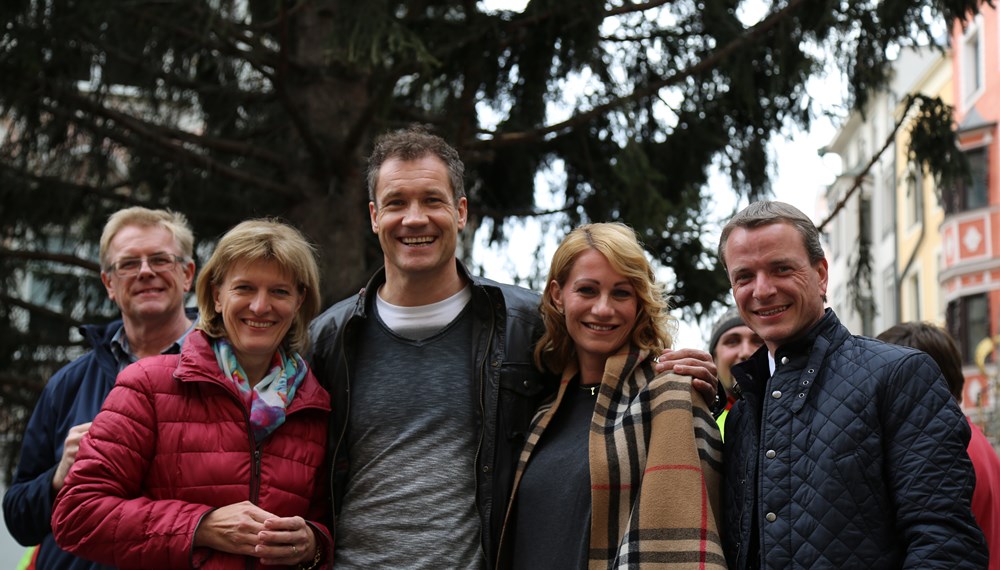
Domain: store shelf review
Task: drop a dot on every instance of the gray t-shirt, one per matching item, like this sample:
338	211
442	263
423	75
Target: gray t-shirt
410	498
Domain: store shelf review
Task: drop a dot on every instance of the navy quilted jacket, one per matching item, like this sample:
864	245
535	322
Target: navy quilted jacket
856	453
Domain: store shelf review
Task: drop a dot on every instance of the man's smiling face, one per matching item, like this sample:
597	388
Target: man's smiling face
778	291
416	217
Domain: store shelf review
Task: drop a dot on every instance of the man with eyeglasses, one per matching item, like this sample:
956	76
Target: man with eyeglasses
147	267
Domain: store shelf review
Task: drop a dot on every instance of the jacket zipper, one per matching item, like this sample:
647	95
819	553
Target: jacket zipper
343	428
483	368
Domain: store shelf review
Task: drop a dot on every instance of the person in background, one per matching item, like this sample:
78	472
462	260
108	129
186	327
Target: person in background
431	370
622	467
214	458
940	345
731	342
147	267
842	451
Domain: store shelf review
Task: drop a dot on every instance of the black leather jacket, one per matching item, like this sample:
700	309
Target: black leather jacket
507	324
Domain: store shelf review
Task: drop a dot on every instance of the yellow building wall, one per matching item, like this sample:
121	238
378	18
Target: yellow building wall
919	242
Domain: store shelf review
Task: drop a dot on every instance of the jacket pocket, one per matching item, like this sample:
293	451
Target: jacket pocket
521	391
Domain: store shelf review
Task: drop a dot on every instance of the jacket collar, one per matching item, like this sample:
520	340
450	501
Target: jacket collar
198	363
752	375
366	295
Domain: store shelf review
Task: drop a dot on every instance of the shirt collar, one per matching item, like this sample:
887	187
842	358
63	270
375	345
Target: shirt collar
123	352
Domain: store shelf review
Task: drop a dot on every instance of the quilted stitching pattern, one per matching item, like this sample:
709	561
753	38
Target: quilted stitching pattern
862	460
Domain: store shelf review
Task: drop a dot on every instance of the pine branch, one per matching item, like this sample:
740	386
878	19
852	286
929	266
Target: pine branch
162	141
12	382
521	213
39	310
709	62
260	53
638	7
159	132
103	192
65	259
860	177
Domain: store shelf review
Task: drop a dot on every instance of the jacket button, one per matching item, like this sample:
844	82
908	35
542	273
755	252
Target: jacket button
771	517
486	468
776	394
784	360
770	454
526	383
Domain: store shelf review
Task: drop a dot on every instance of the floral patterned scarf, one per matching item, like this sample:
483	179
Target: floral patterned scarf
270	397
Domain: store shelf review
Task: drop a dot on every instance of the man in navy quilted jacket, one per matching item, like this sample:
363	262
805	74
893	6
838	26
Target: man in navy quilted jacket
842	451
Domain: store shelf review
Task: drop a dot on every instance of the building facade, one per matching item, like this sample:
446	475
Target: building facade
970	231
862	232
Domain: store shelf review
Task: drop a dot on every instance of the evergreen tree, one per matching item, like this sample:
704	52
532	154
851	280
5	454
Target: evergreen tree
228	109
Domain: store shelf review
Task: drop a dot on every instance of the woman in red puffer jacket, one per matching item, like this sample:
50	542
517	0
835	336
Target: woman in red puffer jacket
214	458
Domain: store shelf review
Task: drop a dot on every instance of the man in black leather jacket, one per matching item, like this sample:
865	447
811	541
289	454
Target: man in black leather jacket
431	375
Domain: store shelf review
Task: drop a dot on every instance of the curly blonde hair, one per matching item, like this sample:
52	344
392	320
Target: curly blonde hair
619	244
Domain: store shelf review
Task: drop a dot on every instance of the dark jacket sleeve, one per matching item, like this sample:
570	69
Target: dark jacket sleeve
931	476
27	505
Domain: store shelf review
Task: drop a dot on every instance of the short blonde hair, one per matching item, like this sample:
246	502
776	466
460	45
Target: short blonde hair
174	222
619	244
262	240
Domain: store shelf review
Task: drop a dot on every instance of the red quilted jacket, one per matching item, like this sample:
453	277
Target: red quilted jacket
171	443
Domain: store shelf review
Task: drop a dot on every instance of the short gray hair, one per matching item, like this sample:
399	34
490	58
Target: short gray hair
766	212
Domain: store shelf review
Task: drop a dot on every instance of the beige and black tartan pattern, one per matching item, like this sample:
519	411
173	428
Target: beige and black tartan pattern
655	464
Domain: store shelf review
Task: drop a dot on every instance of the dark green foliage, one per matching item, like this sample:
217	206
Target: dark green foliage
230	109
932	144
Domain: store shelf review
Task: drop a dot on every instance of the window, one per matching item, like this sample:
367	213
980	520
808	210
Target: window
887	209
914	195
972	68
865	232
974	192
912	297
968	322
888	297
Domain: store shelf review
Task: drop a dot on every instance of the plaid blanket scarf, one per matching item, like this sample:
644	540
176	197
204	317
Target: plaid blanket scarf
655	463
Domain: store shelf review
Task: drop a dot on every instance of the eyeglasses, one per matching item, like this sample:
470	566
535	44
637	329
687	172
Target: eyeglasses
131	266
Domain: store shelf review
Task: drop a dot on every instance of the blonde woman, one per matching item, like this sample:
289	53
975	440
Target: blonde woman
622	467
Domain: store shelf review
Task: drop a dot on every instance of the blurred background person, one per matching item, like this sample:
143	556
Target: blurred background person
731	342
214	458
940	345
147	267
622	467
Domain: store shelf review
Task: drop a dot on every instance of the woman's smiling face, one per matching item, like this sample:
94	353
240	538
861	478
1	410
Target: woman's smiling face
258	302
600	306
